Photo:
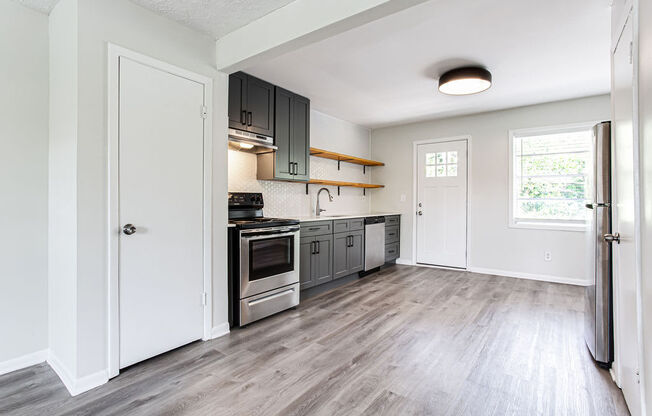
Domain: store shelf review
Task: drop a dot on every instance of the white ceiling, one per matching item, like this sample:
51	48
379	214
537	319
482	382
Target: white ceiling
213	17
385	72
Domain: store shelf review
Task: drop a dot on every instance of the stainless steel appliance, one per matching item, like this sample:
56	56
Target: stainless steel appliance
598	300
250	142
263	261
374	242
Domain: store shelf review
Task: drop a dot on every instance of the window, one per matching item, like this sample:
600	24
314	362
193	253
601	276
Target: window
441	164
550	177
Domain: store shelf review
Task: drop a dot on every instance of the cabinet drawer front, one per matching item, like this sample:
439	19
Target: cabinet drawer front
391	251
393	220
356	224
316	228
340	226
391	234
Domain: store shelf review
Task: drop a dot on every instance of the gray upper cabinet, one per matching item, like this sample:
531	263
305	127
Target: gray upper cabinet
292	137
251	104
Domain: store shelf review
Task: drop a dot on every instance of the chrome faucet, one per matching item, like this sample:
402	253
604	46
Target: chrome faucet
318	210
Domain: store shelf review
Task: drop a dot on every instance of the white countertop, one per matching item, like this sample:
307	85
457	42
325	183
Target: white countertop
326	217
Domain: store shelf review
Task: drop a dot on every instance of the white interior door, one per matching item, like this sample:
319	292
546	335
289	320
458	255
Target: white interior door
626	321
161	193
441	203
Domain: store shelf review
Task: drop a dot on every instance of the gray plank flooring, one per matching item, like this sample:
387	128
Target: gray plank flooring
404	341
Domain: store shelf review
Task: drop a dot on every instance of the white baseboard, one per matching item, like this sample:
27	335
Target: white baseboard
75	385
23	361
404	262
220	330
531	276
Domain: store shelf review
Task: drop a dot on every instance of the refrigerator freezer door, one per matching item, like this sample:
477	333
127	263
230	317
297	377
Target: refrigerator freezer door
598	301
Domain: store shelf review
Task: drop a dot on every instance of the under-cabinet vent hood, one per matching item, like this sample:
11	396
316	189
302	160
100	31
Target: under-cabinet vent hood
245	141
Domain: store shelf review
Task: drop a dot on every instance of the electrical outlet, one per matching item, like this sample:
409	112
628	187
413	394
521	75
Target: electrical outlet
403	198
547	256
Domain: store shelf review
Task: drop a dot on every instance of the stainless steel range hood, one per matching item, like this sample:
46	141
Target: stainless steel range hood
245	141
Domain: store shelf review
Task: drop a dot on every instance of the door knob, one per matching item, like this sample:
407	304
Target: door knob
129	229
420	212
610	238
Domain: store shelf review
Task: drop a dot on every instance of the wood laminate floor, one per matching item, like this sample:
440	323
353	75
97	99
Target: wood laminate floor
405	341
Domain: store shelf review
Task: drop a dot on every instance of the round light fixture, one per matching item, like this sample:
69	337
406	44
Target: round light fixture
464	81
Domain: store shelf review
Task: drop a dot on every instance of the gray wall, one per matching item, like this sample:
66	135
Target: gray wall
23	180
493	245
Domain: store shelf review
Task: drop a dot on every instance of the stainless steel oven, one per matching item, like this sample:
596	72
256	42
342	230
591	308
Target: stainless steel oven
269	259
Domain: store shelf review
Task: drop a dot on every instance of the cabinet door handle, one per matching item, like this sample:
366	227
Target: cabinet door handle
243	117
290	166
318	247
312	247
249	118
296	168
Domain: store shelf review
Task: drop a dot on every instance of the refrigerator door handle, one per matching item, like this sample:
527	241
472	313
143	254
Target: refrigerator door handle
610	238
597	205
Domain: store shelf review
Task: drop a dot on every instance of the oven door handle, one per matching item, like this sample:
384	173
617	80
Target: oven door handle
259	234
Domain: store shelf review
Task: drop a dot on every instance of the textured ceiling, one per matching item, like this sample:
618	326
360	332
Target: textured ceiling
43	6
214	17
385	72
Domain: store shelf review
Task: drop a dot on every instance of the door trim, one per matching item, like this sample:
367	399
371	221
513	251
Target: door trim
415	147
113	221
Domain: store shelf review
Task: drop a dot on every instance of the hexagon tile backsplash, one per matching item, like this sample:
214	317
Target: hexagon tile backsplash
286	199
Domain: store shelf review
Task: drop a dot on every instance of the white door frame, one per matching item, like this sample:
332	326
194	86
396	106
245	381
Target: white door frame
113	71
415	190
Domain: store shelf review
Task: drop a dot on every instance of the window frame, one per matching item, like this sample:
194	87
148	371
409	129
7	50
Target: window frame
534	224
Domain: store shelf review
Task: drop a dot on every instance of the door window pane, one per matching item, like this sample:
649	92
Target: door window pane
452	170
430	158
452	157
441	158
430	171
441	170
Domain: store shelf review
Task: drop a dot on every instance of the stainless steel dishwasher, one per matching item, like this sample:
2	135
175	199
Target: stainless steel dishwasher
374	242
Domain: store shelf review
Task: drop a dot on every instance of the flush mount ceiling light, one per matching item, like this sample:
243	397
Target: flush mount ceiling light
464	81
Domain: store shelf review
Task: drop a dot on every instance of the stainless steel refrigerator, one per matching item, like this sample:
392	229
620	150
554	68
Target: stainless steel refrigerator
598	314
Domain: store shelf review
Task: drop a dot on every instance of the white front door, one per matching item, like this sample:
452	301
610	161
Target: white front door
626	322
161	194
441	203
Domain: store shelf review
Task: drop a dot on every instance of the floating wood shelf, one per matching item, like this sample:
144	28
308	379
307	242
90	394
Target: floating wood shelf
326	154
326	182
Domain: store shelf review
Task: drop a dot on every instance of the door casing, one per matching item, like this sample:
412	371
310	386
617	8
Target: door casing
415	148
113	224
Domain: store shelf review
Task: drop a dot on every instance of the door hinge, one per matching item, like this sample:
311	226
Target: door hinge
204	111
204	298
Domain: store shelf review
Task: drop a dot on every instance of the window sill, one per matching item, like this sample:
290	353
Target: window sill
550	226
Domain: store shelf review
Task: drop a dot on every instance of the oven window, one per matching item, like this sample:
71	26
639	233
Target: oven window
270	257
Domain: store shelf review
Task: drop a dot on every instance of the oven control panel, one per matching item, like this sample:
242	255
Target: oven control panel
246	200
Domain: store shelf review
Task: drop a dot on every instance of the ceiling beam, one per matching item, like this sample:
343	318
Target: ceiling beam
298	24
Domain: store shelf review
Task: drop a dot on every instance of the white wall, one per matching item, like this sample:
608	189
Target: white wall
130	26
23	181
493	245
285	199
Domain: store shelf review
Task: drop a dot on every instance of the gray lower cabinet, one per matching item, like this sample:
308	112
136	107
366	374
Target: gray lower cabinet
392	237
348	253
315	260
